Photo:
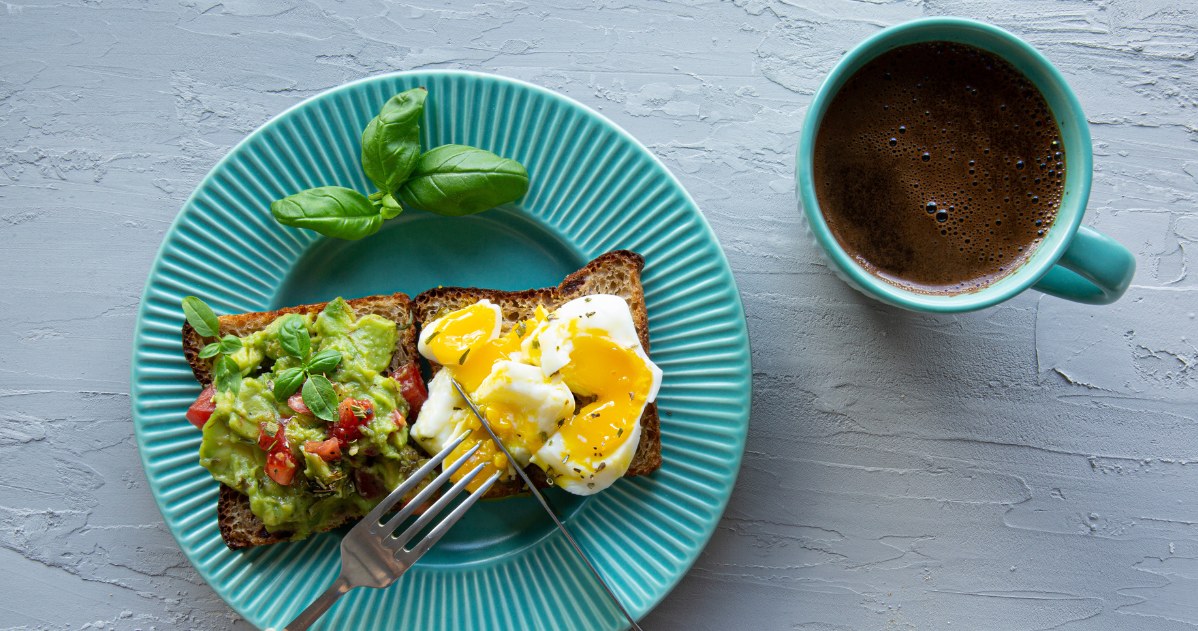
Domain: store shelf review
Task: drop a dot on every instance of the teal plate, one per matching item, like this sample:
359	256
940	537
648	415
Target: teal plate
593	189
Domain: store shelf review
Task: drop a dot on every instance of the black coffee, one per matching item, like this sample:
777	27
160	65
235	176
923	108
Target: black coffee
939	167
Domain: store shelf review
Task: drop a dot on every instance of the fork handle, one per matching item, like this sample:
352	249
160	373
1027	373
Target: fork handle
314	611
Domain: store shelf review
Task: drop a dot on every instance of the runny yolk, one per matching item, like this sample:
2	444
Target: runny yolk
458	333
619	379
505	423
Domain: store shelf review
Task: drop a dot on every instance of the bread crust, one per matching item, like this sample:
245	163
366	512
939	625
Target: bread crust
617	272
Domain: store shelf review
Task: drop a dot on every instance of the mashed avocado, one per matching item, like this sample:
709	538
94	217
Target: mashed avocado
323	491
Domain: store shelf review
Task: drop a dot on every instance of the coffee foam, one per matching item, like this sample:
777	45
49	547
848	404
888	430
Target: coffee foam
939	167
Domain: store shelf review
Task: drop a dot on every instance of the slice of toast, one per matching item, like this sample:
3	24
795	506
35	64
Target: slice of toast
239	527
618	272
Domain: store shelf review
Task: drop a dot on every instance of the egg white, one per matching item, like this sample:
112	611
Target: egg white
542	401
582	476
438	422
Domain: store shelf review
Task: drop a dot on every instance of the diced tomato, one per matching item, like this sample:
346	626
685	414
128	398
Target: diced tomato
281	466
352	414
355	411
400	421
276	441
296	402
411	386
201	410
328	450
368	485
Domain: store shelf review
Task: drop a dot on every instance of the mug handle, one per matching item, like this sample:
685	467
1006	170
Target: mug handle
1094	270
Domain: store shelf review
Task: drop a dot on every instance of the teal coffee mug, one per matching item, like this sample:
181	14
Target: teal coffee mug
1073	262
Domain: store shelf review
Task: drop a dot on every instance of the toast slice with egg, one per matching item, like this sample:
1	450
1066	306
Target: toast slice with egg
617	272
239	527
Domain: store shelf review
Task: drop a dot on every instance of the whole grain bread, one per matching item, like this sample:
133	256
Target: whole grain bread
618	272
239	527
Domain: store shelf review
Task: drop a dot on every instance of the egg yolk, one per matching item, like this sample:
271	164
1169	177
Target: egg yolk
620	382
507	424
458	333
616	377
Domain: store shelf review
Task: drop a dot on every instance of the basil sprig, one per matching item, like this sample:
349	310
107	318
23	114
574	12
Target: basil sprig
316	390
334	211
451	180
320	397
294	337
457	180
226	374
201	317
391	141
227	345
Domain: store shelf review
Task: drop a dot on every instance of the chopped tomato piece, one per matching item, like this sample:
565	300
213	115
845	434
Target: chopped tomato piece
328	450
352	414
276	441
355	411
281	466
400	421
201	410
411	386
296	402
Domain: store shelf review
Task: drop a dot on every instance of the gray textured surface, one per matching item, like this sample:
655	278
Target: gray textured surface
1034	466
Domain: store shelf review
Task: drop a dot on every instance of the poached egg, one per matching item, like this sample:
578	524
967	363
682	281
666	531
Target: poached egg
563	390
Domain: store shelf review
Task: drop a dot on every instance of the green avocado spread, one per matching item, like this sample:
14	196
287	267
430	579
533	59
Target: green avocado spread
322	492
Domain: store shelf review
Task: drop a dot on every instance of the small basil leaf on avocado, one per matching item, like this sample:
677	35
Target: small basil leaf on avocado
390	207
287	382
226	375
324	361
457	180
211	350
294	337
230	344
320	397
391	141
333	211
201	317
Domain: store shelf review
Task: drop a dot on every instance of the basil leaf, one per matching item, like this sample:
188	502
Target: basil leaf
324	361
294	337
390	207
226	375
391	141
456	180
211	350
201	317
288	382
230	344
333	211
320	397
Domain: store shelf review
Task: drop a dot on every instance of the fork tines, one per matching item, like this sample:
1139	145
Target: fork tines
373	522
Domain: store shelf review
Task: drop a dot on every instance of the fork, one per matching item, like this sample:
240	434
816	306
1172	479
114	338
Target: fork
373	556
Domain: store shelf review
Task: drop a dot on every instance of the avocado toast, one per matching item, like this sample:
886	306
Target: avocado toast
375	337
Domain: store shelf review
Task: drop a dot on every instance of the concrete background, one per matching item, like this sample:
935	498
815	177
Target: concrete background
1032	466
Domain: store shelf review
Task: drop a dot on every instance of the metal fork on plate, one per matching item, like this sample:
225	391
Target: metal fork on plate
373	556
